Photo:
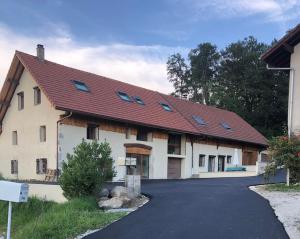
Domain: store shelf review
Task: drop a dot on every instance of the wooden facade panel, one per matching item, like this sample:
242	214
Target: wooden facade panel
249	157
138	150
160	135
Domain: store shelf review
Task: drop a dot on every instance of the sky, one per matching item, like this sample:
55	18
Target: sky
131	40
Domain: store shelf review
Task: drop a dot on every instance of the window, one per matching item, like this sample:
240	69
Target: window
37	95
124	96
21	101
138	100
201	160
166	107
42	133
199	120
81	86
229	159
174	144
15	138
41	166
92	132
14	166
225	125
142	135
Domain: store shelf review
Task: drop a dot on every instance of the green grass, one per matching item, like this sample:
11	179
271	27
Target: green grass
283	188
37	219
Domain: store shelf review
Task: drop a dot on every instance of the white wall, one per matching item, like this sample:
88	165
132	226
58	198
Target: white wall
295	63
70	136
215	151
27	123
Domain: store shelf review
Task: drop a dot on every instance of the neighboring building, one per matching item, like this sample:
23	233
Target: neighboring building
285	54
47	109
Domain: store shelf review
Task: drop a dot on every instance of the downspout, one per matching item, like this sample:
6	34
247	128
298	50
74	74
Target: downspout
57	140
291	94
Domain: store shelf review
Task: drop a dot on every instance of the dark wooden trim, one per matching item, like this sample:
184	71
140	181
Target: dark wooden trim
133	145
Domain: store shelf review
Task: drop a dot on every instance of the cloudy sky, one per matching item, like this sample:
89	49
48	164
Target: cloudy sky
130	40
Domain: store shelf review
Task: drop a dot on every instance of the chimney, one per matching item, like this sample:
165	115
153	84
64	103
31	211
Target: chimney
40	52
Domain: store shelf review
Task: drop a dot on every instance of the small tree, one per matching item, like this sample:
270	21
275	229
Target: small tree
285	152
86	169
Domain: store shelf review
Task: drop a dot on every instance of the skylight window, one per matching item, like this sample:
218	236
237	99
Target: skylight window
225	125
124	96
199	120
166	107
138	100
81	86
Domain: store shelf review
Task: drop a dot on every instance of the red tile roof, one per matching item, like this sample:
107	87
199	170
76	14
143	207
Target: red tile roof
102	101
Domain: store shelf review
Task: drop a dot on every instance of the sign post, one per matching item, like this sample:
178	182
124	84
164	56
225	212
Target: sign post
12	192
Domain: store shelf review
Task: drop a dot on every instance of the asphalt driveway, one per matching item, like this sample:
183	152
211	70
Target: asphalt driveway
199	208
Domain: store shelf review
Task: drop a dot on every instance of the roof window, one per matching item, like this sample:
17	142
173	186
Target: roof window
199	120
138	100
166	107
225	125
81	86
124	96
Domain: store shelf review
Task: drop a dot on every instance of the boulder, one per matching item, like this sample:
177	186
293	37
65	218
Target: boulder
104	193
119	191
126	201
112	203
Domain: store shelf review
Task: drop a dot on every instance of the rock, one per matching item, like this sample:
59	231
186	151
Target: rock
100	199
104	193
111	203
119	191
126	201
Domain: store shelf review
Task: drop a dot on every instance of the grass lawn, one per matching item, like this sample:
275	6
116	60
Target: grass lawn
37	219
283	188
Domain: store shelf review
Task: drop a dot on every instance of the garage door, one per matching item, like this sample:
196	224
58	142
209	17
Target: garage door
174	168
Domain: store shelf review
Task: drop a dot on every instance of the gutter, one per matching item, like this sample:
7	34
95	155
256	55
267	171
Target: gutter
57	139
291	94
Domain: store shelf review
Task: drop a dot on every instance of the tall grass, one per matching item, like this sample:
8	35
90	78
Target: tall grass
37	219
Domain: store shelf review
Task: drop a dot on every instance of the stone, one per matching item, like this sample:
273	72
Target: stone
133	184
119	191
111	203
104	192
126	201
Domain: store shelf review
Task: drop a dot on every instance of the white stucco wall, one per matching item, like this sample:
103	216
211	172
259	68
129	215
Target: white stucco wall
214	151
27	123
295	63
70	136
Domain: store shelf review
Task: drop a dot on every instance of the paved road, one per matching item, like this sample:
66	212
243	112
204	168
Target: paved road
199	208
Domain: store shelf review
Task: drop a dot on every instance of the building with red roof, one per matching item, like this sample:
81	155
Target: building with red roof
46	109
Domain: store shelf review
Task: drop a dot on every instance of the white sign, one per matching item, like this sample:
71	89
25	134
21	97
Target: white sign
121	161
13	192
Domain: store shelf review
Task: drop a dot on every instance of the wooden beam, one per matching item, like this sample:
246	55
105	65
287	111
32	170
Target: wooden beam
288	47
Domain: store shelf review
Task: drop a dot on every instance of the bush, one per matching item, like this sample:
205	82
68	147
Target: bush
85	171
285	152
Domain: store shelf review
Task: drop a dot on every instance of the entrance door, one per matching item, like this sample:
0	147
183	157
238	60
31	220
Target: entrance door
211	163
174	168
221	163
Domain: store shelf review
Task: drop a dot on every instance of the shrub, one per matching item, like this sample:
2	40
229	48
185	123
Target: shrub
285	152
86	169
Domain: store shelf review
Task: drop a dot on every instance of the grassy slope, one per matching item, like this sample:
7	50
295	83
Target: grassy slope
283	188
37	219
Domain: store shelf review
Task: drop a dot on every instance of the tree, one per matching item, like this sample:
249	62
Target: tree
178	74
86	169
204	61
245	86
